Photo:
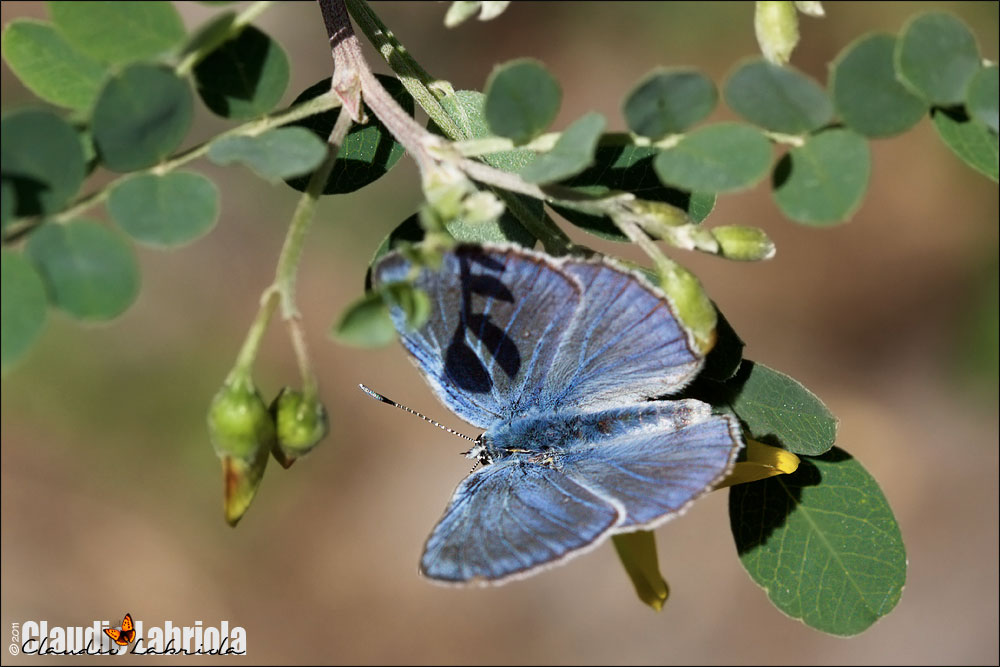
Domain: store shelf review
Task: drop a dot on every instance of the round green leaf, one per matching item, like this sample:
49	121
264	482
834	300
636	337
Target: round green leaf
972	142
22	307
245	77
573	152
366	323
8	202
48	66
936	57
779	410
777	98
981	98
717	158
368	150
822	542
281	153
522	100
119	32
867	94
165	211
629	168
822	182
142	114
42	160
668	101
89	271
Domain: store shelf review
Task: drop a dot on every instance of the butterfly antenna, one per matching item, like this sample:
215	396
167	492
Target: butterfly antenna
380	397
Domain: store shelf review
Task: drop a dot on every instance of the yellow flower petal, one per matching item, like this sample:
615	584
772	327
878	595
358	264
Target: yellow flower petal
762	461
637	552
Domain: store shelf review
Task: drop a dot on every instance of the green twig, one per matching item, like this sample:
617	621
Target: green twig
19	228
239	22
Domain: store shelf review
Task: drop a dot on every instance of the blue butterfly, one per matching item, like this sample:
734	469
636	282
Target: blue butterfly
557	360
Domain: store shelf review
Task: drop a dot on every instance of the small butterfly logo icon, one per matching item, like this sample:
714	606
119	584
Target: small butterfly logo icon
125	635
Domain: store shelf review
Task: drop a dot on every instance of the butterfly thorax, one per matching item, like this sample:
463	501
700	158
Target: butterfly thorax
541	438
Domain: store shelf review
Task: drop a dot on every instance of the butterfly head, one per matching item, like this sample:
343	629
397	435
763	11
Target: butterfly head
480	452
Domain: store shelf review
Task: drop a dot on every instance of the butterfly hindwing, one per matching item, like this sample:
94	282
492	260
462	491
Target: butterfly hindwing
656	470
511	518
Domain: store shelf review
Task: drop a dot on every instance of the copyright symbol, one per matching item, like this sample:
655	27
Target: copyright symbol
14	649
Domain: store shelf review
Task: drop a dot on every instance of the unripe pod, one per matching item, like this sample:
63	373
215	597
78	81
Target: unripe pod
300	422
240	480
239	423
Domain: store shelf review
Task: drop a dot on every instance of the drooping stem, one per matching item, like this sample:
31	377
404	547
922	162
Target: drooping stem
282	290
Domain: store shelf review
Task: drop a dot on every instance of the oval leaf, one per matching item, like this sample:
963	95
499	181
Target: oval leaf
573	152
717	158
48	66
982	97
365	323
668	101
522	100
823	182
778	410
142	115
936	57
867	94
823	542
245	77
119	32
165	211
42	161
89	271
275	155
777	98
972	142
368	150
22	307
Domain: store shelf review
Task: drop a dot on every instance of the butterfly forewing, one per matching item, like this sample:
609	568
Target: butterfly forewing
497	319
624	345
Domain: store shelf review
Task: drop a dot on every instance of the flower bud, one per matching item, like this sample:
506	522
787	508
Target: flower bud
746	244
445	187
300	425
693	307
777	28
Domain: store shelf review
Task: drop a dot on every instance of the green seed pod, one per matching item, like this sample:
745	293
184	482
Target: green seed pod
300	424
239	423
240	481
746	244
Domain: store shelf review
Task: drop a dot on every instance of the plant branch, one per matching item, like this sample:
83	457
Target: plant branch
235	27
20	228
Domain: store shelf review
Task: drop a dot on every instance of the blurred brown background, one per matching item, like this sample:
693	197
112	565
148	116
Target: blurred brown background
111	491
